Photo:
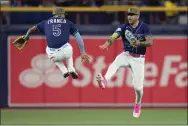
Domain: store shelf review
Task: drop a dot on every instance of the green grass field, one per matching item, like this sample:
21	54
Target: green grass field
93	116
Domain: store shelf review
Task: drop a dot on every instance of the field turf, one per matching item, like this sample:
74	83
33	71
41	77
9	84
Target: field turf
93	116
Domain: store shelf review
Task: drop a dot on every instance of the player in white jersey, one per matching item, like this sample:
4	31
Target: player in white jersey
136	36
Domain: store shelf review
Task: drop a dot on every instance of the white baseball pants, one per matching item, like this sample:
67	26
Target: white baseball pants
135	63
59	55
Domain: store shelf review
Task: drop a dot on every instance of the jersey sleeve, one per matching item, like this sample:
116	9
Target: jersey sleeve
73	29
41	26
147	31
120	30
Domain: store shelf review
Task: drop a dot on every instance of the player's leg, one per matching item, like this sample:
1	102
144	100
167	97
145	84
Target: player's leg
68	51
71	68
53	56
121	60
62	68
137	66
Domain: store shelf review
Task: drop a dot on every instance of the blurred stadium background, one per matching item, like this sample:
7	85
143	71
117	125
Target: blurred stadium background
33	91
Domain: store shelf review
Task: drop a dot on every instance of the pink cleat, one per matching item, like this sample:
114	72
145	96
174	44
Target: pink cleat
101	81
137	110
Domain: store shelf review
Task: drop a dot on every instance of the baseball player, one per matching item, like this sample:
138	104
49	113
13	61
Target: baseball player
136	36
57	30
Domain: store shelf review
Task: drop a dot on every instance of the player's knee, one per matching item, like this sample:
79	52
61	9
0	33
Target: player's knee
54	59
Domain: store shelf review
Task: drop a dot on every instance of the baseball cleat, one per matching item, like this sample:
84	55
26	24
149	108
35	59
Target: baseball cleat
101	81
74	75
66	75
137	110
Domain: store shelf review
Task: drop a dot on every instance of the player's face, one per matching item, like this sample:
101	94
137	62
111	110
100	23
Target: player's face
132	18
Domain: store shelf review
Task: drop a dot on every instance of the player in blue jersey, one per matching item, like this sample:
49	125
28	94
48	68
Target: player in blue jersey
136	37
57	31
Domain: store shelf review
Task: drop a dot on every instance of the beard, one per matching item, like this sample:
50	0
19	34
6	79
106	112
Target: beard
133	22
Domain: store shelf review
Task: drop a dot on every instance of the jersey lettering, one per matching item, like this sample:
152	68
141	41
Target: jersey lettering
54	20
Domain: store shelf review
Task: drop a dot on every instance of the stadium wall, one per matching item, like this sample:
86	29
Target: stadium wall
28	79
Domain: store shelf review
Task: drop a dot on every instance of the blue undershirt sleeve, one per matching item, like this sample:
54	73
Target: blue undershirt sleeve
79	41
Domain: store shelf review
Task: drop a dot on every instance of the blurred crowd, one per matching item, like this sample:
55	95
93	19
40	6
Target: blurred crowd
93	2
154	17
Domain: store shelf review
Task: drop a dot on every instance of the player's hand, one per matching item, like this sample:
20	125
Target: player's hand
104	46
85	57
136	43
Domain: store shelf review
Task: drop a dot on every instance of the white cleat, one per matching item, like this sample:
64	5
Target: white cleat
101	81
137	110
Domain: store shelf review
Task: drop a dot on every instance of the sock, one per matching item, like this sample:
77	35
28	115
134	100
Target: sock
62	67
70	64
139	94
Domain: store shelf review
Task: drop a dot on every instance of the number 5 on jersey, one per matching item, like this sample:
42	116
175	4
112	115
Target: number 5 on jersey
56	30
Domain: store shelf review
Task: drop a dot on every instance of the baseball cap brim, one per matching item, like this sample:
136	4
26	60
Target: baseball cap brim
131	14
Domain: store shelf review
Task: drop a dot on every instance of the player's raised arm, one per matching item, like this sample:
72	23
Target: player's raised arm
30	31
37	28
21	42
110	40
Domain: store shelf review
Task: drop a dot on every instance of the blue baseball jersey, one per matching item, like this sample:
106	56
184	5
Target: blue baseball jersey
139	32
57	31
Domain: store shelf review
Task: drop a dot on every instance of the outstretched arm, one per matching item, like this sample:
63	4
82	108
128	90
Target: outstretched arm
113	38
30	31
110	40
21	42
37	28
